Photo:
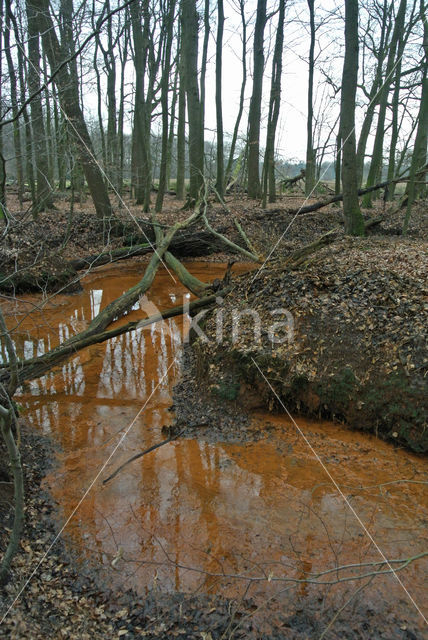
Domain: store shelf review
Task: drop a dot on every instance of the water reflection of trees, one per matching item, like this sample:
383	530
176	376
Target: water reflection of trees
213	507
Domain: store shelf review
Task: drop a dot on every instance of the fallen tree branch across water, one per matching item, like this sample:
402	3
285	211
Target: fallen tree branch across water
38	366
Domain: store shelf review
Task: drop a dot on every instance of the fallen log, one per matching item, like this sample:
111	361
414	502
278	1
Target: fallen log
199	243
289	182
298	257
336	198
99	259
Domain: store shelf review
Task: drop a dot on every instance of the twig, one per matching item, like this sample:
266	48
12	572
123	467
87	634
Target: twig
141	454
337	614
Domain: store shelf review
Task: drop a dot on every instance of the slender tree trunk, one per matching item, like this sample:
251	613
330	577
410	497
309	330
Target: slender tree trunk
310	154
172	123
375	170
374	94
354	222
28	145
203	73
395	104
189	30
419	156
49	129
100	107
43	188
14	100
254	187
242	94
61	144
2	161
181	137
112	139
69	99
218	99
274	106
123	52
146	65
168	25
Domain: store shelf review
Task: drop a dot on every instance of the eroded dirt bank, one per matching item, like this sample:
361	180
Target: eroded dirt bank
352	345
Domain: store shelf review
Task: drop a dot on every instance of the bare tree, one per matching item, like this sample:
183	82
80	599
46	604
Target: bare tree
190	30
354	222
68	93
254	187
274	106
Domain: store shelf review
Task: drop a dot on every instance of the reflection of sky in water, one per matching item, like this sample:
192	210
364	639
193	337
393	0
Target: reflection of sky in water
219	507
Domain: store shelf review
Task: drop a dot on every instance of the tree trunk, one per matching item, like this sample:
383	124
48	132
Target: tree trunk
28	147
14	100
419	156
43	188
354	222
123	52
68	94
218	99
375	171
173	118
310	155
254	187
141	144
181	137
189	30
2	161
374	93
242	95
168	22
274	106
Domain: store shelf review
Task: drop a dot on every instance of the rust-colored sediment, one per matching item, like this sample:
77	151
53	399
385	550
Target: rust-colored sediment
193	514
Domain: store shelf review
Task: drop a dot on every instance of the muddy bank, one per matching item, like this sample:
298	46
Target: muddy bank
353	350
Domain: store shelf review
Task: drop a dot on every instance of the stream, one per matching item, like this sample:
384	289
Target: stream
245	520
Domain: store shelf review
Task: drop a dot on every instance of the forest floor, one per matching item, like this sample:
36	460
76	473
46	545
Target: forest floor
353	349
37	254
365	325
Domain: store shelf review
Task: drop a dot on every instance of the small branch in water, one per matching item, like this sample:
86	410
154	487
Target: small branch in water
140	455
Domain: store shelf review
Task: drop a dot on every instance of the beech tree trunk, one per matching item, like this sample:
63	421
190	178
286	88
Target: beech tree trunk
189	30
310	154
354	222
254	187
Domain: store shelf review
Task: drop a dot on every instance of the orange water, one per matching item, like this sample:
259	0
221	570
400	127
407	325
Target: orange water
236	519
